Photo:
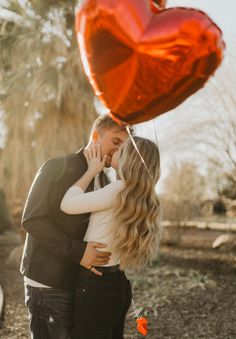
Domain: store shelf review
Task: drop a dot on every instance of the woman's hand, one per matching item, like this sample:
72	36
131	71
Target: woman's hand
94	159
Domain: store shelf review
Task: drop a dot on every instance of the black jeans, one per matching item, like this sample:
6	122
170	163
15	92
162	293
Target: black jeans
50	312
101	304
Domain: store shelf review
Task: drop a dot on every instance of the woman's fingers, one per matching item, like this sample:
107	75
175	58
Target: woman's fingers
94	151
99	155
88	154
94	157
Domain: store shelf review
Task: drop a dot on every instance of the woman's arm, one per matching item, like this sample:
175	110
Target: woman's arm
75	201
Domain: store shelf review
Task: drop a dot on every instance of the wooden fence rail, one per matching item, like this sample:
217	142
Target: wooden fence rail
226	227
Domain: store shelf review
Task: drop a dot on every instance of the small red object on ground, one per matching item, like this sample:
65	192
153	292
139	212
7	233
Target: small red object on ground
142	325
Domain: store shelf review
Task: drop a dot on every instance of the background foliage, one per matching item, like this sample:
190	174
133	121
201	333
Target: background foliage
46	99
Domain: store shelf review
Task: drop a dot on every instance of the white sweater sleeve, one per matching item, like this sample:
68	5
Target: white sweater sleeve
76	201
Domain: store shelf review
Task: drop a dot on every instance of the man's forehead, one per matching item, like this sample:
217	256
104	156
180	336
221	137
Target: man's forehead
119	133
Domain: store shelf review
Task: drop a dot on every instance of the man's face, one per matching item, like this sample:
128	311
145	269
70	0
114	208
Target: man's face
110	141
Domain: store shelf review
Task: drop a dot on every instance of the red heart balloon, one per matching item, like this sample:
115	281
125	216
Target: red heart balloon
142	64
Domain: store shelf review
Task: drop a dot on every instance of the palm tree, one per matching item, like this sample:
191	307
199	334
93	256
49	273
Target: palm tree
45	98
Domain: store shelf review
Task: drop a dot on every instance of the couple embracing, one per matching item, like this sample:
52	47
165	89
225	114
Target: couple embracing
84	231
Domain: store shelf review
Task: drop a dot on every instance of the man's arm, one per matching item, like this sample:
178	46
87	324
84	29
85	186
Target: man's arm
36	216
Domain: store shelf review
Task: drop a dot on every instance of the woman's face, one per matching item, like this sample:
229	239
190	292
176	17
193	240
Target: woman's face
115	159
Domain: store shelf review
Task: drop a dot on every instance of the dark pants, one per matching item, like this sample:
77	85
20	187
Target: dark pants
50	312
101	304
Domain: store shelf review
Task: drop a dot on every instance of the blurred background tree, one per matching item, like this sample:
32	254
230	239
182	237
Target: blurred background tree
46	100
214	141
184	192
206	139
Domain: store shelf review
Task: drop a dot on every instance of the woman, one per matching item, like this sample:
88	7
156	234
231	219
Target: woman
125	216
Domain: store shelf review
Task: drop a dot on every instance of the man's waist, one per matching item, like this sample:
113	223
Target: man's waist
34	283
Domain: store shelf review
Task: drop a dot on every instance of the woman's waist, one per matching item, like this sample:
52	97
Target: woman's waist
104	269
110	274
114	259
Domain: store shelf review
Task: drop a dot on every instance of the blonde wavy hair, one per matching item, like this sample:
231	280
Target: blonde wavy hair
136	216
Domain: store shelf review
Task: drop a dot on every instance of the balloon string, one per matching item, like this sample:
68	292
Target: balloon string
137	314
135	146
154	123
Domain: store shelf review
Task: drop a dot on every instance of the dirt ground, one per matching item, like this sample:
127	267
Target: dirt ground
186	294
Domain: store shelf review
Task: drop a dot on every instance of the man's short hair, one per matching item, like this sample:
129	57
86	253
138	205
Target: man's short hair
104	122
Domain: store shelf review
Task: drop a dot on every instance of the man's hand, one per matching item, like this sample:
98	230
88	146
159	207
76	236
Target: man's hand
93	257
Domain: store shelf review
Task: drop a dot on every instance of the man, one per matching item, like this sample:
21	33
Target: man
54	245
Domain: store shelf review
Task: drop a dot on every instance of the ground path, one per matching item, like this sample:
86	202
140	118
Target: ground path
186	294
